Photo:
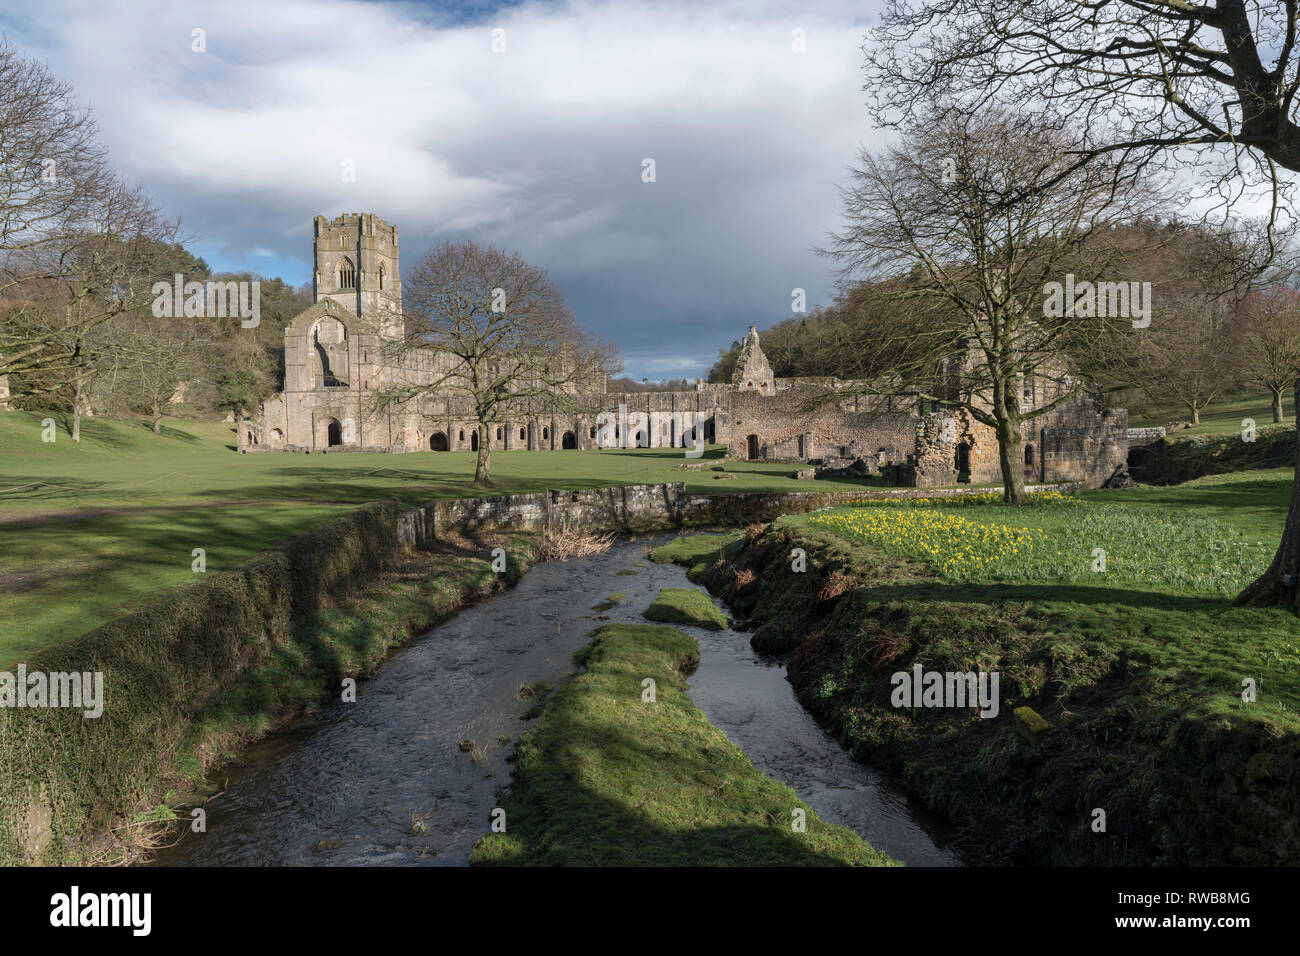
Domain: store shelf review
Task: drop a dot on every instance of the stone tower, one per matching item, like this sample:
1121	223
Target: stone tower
357	267
752	372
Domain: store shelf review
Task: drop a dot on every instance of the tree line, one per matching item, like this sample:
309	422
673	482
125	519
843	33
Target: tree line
81	252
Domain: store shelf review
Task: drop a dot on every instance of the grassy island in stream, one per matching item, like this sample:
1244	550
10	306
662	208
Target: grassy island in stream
608	778
686	606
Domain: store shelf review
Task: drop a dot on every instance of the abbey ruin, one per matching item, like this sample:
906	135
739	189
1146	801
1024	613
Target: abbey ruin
335	360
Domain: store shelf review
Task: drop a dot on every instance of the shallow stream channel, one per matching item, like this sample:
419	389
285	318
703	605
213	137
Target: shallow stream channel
384	781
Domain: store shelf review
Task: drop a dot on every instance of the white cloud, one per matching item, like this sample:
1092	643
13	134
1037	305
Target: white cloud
538	148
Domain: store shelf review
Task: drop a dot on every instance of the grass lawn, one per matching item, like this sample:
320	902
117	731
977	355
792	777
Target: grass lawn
1222	417
1174	558
607	778
90	532
1168	542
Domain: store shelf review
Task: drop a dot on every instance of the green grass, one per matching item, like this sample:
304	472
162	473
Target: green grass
693	549
606	778
1220	418
92	531
1175	557
1088	539
686	606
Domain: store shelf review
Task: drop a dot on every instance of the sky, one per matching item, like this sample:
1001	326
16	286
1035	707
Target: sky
538	145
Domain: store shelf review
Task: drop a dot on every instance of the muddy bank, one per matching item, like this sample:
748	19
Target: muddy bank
1174	789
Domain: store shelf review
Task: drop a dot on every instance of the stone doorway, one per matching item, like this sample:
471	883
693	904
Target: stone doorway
328	433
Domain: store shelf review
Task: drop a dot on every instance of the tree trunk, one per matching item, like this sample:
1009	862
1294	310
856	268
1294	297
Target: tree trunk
484	463
77	389
1277	585
1196	415
1013	471
1006	411
157	420
1277	405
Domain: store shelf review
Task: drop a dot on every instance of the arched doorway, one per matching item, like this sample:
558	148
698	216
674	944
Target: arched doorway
752	446
328	433
962	462
473	440
569	440
437	442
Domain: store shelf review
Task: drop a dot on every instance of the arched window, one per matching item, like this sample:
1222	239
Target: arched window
462	434
1029	456
381	277
498	433
523	434
546	434
347	274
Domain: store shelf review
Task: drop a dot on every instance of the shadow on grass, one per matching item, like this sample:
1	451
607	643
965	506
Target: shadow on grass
1049	593
38	487
576	825
1262	493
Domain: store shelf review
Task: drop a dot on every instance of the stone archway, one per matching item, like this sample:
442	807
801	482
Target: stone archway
569	440
473	440
329	433
437	442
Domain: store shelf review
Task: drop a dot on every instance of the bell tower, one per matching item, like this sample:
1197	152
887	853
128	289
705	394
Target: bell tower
357	267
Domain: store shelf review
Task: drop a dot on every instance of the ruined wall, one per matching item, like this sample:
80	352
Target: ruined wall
797	423
1076	442
952	447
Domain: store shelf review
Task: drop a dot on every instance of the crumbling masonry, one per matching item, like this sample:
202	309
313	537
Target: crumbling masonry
334	367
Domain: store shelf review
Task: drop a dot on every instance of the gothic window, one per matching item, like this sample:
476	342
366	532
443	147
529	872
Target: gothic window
523	434
347	274
498	434
381	277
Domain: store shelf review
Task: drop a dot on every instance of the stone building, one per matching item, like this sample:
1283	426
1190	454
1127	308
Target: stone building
336	360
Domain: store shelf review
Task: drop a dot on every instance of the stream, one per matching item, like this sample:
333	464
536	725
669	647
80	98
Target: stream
384	781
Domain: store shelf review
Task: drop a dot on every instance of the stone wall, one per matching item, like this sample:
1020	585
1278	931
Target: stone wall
1075	442
635	508
797	423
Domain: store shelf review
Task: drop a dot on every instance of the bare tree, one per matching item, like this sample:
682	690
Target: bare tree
52	178
1147	81
1266	333
977	210
154	359
104	269
485	326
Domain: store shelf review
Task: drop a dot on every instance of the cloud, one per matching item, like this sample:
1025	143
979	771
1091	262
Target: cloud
538	148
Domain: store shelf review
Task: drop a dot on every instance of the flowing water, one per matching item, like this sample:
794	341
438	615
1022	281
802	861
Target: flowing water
384	781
